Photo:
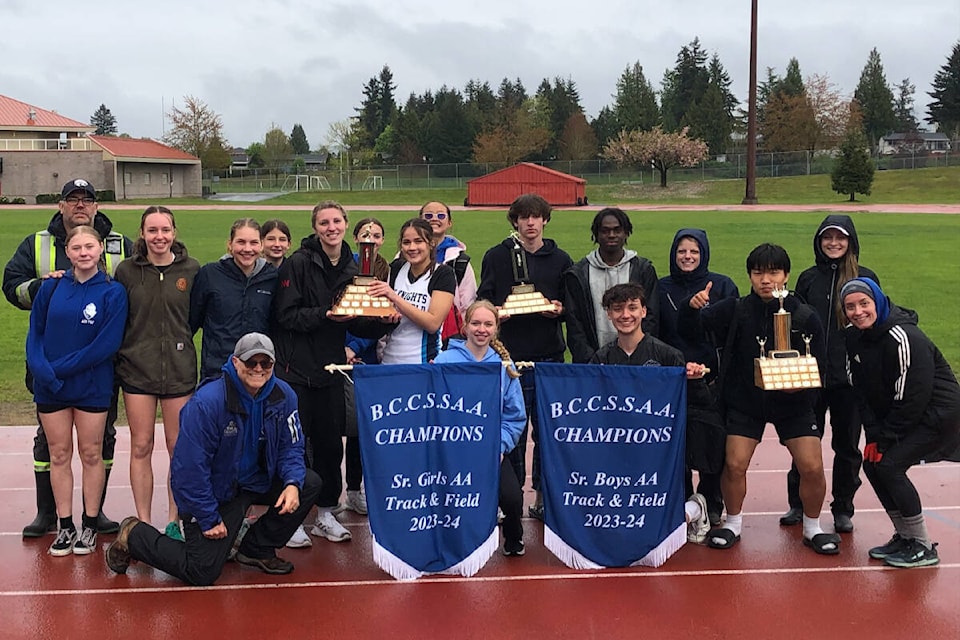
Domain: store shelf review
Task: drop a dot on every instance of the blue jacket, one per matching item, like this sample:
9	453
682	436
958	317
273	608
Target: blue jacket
75	331
204	470
227	305
676	290
513	415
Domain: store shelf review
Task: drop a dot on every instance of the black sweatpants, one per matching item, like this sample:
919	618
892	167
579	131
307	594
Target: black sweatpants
199	560
322	417
889	476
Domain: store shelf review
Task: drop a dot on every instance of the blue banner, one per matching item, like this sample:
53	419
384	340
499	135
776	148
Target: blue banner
612	451
430	443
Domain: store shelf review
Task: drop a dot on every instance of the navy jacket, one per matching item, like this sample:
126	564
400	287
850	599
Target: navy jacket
204	470
227	305
676	290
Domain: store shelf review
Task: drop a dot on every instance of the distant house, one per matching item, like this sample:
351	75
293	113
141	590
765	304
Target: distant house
41	149
239	159
914	142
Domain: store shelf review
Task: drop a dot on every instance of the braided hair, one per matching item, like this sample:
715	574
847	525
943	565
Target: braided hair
495	344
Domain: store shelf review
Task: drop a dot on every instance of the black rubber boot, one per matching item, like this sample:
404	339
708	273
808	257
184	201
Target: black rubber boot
105	524
46	520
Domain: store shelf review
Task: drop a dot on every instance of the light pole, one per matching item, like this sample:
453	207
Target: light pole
751	193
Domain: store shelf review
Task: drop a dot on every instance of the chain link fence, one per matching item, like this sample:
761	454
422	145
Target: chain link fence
455	175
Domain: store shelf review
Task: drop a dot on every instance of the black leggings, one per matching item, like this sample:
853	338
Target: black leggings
889	476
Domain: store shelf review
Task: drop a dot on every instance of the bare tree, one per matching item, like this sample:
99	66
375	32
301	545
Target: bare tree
195	128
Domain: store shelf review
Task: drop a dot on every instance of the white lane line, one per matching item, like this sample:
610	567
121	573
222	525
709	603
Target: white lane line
460	579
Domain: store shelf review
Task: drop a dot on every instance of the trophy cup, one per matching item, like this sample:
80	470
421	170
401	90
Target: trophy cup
783	368
523	298
355	301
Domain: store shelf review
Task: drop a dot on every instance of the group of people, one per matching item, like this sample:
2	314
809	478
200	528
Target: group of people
267	423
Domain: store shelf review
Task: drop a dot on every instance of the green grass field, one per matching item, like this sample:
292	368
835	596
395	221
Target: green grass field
915	255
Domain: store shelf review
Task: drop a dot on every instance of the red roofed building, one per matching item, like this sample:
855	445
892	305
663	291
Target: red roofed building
504	186
40	150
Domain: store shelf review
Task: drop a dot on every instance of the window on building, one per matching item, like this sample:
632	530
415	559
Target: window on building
164	178
146	179
127	178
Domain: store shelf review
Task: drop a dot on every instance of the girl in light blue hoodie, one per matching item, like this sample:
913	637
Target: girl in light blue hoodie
481	325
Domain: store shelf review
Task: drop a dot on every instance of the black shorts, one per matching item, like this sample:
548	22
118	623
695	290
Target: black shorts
804	424
129	388
43	407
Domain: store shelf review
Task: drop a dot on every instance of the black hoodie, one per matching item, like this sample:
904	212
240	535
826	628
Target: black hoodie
817	286
531	336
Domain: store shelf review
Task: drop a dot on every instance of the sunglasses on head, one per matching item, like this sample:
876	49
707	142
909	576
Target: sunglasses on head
430	216
251	363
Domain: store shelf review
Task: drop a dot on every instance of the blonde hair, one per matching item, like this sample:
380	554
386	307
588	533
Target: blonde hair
495	344
848	269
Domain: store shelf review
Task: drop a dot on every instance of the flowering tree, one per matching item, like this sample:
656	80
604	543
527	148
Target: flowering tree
661	150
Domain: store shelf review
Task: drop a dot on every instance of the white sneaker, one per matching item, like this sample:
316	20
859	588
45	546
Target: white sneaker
356	501
697	530
299	539
327	526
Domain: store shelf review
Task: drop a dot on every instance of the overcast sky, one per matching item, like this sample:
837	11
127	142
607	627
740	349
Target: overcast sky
258	62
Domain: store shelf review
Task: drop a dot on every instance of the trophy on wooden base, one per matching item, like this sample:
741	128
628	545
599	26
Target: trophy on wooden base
355	301
783	368
523	298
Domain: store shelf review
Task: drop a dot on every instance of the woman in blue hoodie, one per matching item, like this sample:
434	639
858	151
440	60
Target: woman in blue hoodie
76	327
909	402
690	274
481	325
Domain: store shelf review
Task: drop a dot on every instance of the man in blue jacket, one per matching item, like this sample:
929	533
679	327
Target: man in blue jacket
240	444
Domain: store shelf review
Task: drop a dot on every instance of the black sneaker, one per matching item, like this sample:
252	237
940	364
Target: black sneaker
86	543
274	565
894	545
513	548
63	545
914	554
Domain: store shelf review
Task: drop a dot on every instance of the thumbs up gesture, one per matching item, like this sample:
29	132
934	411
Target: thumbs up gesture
702	298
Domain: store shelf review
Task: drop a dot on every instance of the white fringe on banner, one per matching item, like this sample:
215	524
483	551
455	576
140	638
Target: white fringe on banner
576	560
400	570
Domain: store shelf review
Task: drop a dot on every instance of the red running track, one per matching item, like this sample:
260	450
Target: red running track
769	586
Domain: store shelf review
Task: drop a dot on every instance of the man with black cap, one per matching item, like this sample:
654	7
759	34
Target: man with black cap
43	255
240	444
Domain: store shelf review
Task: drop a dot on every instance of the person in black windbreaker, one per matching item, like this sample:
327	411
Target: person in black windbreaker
910	405
836	248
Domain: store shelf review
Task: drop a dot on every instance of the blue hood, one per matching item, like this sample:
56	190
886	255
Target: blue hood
879	298
701	271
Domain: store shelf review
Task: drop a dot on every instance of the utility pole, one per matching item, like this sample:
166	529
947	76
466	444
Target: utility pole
751	194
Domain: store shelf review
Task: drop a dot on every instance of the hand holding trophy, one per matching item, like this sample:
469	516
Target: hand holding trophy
355	299
523	298
783	368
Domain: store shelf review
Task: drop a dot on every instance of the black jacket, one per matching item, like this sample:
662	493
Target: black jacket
902	380
579	305
817	286
531	336
305	339
751	317
676	290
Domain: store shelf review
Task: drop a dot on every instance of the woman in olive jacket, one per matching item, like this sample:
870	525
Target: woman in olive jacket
157	362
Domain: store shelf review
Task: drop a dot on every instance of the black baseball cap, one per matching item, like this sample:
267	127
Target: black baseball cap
78	185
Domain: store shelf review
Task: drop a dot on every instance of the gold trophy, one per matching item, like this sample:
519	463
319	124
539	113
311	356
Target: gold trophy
355	301
523	298
784	369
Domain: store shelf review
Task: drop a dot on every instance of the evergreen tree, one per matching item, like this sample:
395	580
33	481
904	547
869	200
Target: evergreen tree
875	98
377	109
944	111
104	121
298	140
903	107
510	97
635	103
683	85
407	133
712	118
792	83
453	136
853	169
556	102
605	126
